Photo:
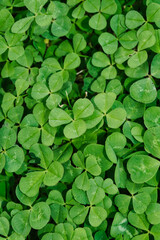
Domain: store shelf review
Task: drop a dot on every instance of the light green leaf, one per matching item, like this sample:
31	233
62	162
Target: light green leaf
58	117
82	181
39	91
95	193
22	25
79	43
40	112
98	22
92	166
35	5
4	226
71	61
6	19
155	69
146	40
40	215
129	39
109	7
104	101
141	202
14	158
92	6
142	168
137	59
153	11
30	184
152	141
143	91
82	108
75	129
3	45
134	19
54	174
61	26
116	117
152	117
55	82
28	136
108	43
78	214
138	221
99	59
20	223
52	236
96	216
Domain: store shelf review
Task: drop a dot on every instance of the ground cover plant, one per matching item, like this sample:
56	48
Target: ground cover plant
80	119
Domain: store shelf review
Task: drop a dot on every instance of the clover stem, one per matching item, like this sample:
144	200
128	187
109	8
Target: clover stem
68	100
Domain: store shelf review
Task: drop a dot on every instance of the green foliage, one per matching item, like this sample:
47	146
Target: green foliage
80	119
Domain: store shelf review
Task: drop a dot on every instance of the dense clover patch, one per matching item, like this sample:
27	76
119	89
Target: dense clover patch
80	119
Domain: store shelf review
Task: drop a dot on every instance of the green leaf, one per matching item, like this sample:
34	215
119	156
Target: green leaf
52	236
28	136
82	108
54	174
97	22
82	181
117	23
155	70
122	201
35	5
55	82
95	193
99	59
4	226
39	91
109	7
15	114
3	45
152	117
14	158
71	61
91	6
129	39
152	141
109	187
137	59
92	166
134	19
61	26
40	215
6	19
141	202
78	214
44	153
79	233
99	85
146	40
104	101
116	117
96	216
153	11
142	168
58	117
8	137
79	43
20	223
30	184
138	221
22	25
143	91
108	43
40	112
75	129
